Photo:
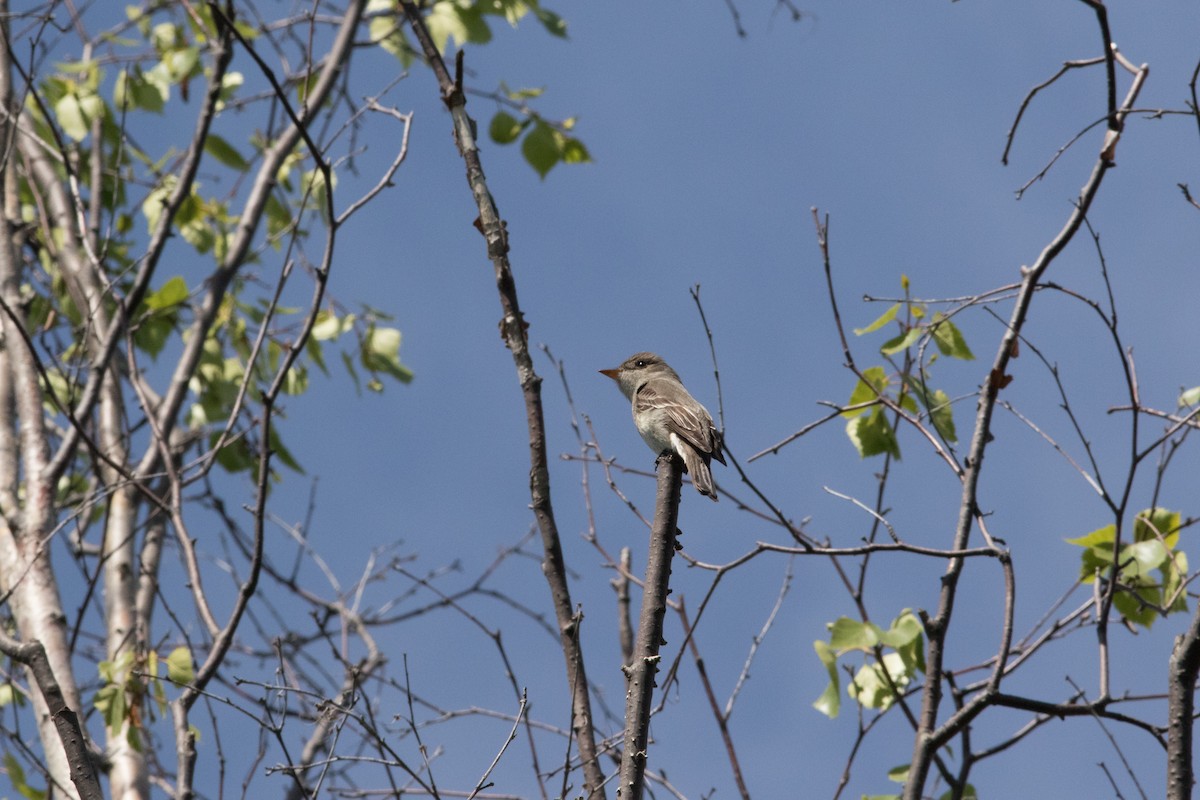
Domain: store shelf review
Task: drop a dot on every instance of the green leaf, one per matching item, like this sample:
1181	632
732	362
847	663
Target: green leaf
870	686
305	85
110	702
10	694
899	774
230	83
181	63
880	321
312	183
573	151
152	206
279	220
224	152
348	362
179	666
553	23
949	338
296	380
236	455
937	403
1141	558
283	454
160	696
165	35
327	326
850	634
159	81
464	23
1099	536
522	94
152	333
171	294
905	629
540	149
1156	523
870	386
386	30
132	89
907	635
381	353
76	112
1097	553
1175	570
1190	397
873	435
902	342
830	701
1151	569
943	416
1138	604
316	352
16	776
56	384
968	793
505	128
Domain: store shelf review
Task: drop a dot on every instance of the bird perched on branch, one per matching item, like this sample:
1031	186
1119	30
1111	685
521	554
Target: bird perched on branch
669	418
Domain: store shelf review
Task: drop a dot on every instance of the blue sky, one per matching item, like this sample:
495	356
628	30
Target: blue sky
709	152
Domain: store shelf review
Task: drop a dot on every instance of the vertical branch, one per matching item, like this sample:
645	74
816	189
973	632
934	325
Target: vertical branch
640	672
185	736
65	720
26	573
513	328
1181	704
624	623
936	627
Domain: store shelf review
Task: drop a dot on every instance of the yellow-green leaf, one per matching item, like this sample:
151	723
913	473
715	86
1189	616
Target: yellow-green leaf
179	666
880	321
505	128
540	149
851	634
902	341
949	338
872	434
227	154
870	387
830	701
172	293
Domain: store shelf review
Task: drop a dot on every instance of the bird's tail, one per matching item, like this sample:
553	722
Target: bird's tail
697	467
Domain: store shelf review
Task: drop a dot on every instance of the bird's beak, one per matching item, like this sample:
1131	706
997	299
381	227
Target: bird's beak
612	373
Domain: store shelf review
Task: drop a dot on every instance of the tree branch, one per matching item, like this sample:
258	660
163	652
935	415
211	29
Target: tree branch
640	672
513	328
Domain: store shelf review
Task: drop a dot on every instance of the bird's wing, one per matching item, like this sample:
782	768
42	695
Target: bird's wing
685	417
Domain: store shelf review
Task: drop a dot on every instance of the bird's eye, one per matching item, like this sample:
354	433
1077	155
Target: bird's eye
641	362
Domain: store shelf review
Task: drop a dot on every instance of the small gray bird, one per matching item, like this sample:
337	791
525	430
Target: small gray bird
668	418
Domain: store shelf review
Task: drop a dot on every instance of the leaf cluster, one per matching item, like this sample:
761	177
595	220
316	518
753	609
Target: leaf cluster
893	657
1150	571
130	680
902	383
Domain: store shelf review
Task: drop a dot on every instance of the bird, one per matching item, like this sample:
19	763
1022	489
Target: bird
669	418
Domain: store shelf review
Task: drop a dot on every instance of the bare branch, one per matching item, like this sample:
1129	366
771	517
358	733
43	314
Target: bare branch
639	673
